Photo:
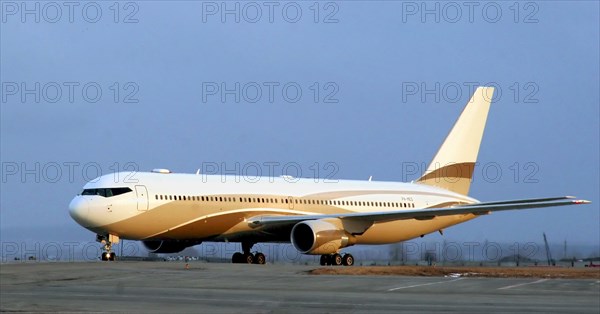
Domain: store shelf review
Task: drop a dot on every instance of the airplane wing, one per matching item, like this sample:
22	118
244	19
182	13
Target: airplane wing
421	214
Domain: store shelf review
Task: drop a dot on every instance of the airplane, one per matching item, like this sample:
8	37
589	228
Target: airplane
170	211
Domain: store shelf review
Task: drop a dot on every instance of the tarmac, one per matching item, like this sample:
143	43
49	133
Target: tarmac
167	287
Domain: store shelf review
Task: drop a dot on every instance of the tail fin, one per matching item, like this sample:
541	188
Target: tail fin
453	165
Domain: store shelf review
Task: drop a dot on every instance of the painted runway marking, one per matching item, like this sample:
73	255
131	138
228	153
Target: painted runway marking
523	284
425	284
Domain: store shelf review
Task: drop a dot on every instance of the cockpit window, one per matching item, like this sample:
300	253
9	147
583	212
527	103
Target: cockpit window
106	192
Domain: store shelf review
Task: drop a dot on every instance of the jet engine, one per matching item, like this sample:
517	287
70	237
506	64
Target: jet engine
320	237
170	246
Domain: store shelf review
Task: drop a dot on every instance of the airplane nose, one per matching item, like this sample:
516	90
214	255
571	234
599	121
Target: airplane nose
79	210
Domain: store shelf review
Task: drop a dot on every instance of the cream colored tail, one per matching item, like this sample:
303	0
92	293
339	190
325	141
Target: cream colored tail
452	167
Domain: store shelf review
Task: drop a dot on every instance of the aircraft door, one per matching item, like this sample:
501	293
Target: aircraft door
142	197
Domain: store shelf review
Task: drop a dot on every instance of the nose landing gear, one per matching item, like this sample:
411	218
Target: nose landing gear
107	240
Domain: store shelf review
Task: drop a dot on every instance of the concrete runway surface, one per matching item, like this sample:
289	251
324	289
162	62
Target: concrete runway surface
234	288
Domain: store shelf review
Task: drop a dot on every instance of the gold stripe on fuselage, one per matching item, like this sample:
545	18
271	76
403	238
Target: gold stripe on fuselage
221	220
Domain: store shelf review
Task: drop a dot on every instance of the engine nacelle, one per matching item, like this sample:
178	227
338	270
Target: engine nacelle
173	246
319	237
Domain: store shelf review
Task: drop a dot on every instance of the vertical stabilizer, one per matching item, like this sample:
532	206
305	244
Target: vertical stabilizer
452	167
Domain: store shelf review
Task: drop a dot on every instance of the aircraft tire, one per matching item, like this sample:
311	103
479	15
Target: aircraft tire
248	258
259	258
348	260
336	259
237	258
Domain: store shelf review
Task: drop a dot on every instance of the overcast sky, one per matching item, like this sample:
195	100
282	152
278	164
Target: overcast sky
371	88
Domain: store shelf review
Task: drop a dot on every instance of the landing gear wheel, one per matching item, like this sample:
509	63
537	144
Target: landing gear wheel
248	258
324	260
108	256
259	258
336	259
237	258
348	260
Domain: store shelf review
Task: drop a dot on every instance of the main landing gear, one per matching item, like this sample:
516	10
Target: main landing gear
248	258
336	259
108	254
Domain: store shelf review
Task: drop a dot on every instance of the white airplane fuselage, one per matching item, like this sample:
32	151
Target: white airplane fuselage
171	206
